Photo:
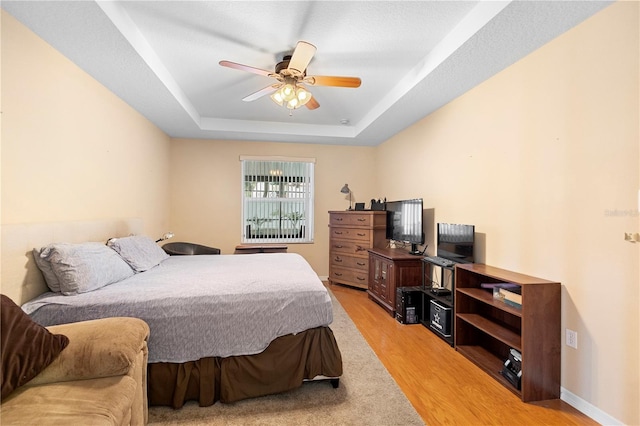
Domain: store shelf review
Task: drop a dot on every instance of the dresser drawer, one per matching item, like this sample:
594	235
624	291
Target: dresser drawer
350	219
353	248
343	261
349	276
351	234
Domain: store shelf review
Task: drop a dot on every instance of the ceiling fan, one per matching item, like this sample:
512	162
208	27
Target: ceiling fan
291	73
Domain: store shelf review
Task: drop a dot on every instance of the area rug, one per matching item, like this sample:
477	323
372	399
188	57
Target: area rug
367	395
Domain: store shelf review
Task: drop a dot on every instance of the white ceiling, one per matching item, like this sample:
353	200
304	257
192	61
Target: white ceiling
161	57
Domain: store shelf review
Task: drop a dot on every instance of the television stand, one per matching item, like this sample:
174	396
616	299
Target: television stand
388	270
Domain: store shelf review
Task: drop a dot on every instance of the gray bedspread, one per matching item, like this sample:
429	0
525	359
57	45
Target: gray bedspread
201	306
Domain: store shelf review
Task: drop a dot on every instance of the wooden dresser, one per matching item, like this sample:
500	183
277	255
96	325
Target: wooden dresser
351	234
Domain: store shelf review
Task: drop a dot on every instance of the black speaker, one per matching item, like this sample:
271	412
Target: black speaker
512	370
408	305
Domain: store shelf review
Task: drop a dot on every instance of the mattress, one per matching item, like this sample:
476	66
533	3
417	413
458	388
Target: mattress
205	306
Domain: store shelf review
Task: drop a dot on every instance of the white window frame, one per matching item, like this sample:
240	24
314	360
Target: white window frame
277	196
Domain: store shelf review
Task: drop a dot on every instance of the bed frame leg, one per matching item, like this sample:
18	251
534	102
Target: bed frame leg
335	383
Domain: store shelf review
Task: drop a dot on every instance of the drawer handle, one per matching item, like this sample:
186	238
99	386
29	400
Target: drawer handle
337	259
361	279
361	235
361	219
359	263
338	246
339	219
337	232
337	274
360	248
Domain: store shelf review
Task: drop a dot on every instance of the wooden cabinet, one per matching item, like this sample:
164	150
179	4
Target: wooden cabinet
352	233
388	270
486	329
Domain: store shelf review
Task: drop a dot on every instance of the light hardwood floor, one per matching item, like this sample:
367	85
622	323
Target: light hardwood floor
443	386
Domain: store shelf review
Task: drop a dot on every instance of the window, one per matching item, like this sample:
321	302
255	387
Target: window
277	199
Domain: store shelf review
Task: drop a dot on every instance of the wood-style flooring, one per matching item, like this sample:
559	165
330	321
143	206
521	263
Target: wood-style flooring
443	386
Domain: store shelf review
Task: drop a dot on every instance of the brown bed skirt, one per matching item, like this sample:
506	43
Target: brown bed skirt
283	366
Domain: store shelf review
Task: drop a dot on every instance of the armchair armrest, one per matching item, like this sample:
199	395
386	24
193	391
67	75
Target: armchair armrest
97	348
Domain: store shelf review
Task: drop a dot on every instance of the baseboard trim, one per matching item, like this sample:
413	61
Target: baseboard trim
588	409
323	277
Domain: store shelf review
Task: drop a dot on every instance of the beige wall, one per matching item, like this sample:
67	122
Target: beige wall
539	158
71	149
206	182
543	159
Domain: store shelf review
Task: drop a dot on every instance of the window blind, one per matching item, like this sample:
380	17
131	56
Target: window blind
277	200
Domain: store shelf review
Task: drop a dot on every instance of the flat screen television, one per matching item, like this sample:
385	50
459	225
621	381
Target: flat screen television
455	242
404	222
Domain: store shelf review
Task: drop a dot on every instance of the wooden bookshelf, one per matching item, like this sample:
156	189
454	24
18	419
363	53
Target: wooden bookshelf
486	329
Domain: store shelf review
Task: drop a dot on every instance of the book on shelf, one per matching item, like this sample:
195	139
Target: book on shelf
512	303
509	286
512	295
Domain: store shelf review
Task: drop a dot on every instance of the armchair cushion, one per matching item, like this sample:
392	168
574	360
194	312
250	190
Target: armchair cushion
27	347
98	348
106	401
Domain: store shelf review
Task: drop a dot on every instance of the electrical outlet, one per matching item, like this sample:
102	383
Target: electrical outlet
572	339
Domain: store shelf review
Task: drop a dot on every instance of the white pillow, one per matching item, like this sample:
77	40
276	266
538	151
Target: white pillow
140	252
85	267
47	271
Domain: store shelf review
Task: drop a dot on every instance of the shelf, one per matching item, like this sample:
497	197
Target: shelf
445	300
435	276
486	328
487	362
487	297
494	330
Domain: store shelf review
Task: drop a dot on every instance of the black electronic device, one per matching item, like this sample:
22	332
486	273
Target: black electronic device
440	291
408	305
455	242
378	205
404	223
440	261
440	318
512	369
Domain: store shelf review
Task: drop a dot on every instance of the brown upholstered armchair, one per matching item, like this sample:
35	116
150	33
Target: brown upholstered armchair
99	378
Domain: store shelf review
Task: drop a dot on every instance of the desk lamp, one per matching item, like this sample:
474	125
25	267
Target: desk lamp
345	190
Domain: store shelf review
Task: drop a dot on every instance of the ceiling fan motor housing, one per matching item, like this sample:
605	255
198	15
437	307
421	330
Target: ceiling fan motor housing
284	64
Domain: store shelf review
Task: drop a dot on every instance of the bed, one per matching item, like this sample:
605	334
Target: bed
223	327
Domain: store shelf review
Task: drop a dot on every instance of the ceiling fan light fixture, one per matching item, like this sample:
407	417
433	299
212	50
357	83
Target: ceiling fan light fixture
277	97
291	95
293	103
288	92
303	96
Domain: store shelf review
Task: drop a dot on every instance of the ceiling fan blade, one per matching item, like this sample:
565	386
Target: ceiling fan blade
312	104
326	80
302	56
247	68
260	93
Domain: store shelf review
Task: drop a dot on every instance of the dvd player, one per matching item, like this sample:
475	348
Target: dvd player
440	291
